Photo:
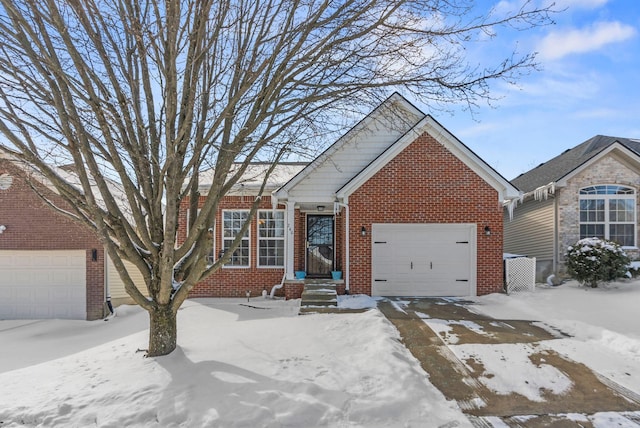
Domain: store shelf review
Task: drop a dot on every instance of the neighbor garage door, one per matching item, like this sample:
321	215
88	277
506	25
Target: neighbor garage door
423	259
42	284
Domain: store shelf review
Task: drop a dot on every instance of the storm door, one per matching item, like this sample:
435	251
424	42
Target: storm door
319	245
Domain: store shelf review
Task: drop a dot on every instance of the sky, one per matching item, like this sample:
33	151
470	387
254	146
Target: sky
588	84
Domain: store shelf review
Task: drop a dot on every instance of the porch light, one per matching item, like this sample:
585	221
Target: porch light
363	231
320	207
487	230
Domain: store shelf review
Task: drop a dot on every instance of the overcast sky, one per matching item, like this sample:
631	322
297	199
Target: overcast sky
589	85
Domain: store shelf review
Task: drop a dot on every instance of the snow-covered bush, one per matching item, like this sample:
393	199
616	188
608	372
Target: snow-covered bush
594	260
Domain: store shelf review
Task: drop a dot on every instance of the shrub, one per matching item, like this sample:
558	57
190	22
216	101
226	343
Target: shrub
594	260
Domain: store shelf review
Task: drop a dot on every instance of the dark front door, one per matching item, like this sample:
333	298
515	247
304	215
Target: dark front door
319	245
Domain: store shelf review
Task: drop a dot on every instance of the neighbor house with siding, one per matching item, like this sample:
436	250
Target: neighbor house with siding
588	190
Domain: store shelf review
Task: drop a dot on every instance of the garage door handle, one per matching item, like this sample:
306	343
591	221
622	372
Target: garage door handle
380	280
411	265
462	280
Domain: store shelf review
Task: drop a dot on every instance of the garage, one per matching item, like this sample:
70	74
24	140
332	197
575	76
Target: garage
43	284
423	259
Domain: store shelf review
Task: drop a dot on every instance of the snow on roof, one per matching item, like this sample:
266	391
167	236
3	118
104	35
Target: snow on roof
68	174
251	180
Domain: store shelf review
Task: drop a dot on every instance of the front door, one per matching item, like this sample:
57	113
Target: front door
319	245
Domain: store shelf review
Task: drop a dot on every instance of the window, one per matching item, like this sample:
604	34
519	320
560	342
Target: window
271	238
232	222
211	259
609	212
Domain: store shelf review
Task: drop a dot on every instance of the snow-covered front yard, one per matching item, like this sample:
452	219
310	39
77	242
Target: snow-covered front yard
261	365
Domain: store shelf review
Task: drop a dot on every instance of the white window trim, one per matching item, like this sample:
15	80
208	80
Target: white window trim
248	238
607	198
258	239
210	259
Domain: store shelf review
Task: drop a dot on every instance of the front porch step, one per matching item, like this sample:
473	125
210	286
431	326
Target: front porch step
319	295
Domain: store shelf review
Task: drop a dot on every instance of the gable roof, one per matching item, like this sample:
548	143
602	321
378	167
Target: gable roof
570	160
69	175
431	126
394	116
348	177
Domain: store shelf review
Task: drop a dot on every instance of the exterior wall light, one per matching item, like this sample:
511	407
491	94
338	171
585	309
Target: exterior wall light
363	231
487	230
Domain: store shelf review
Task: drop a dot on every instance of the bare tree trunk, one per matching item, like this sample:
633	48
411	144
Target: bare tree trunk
163	331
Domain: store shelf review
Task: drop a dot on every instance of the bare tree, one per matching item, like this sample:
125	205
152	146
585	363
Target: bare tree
140	95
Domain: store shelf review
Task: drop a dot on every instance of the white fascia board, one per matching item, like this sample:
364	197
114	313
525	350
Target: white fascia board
364	124
615	147
429	125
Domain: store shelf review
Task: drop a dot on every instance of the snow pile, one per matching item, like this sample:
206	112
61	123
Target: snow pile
257	363
238	364
601	324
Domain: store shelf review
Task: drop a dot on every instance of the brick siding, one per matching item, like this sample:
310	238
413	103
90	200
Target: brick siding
231	281
426	183
34	225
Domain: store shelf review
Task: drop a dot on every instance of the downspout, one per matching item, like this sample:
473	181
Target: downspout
106	281
336	209
277	286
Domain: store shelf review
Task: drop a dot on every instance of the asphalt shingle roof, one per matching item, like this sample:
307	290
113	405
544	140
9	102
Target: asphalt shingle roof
556	168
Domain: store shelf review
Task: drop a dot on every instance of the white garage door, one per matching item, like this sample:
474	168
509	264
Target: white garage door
43	284
423	259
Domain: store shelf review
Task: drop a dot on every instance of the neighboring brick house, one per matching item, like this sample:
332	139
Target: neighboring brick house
50	266
589	190
398	205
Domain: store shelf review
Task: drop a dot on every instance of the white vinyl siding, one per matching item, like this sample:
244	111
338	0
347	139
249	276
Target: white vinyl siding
116	286
232	221
271	238
358	151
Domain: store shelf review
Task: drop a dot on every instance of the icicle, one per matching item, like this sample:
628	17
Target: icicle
543	192
511	204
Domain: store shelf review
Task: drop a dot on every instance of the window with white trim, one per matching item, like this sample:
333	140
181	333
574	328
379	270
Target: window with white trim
211	258
232	222
271	238
609	212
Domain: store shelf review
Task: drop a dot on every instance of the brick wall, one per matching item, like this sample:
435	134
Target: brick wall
230	281
426	183
33	225
608	170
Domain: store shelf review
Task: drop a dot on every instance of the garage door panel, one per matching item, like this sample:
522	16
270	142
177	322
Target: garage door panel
43	284
423	259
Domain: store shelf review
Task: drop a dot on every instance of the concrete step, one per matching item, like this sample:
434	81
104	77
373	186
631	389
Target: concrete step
319	295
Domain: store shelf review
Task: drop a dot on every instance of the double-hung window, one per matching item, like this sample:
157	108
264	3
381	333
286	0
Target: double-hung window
608	212
271	238
232	222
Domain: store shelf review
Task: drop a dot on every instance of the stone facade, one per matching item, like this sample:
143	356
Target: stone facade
608	170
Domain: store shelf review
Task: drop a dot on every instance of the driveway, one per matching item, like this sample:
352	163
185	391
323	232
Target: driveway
436	330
